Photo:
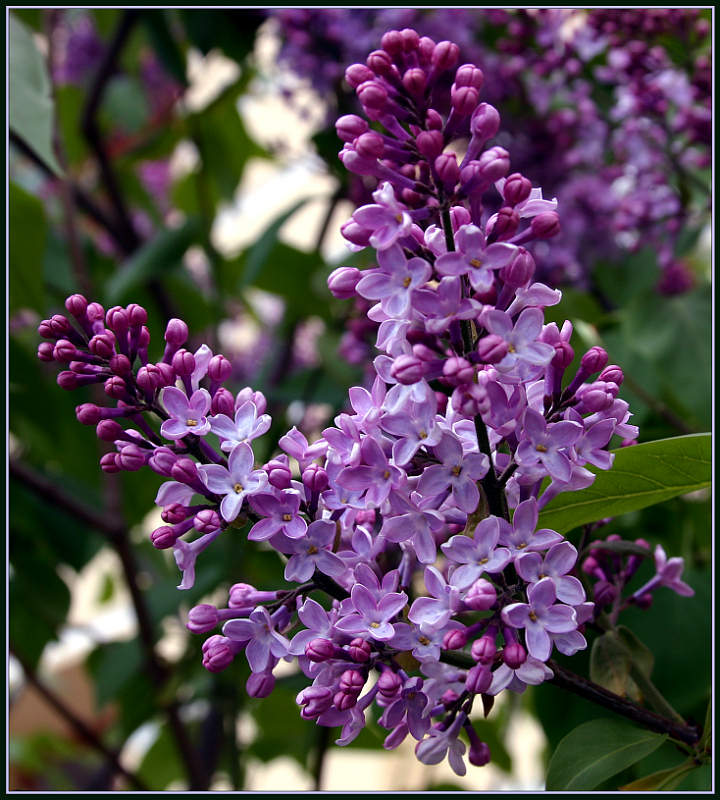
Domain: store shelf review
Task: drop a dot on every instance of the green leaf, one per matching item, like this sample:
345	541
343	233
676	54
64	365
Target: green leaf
597	750
641	476
28	233
641	655
156	258
30	106
665	779
125	104
112	666
610	663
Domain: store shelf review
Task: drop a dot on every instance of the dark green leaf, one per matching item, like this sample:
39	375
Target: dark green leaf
597	750
125	104
161	765
28	233
641	475
30	106
624	548
112	666
161	255
641	656
610	663
665	779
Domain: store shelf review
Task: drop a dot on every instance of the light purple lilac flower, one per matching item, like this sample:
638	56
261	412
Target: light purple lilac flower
246	426
372	618
281	513
263	641
560	559
478	553
186	416
456	472
236	482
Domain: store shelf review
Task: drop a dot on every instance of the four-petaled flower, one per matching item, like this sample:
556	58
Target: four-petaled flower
372	618
186	416
236	482
246	427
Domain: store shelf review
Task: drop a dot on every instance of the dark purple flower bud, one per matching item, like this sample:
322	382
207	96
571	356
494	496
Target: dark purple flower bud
147	378
445	55
597	396
481	595
392	43
355	233
279	474
64	350
594	360
60	325
415	80
242	595
365	516
162	461
372	95
545	225
478	679
218	653
131	458
408	369
433	120
108	430
202	618
612	374
464	99
564	355
117	319
183	362
260	684
430	144
315	478
380	63
319	650
108	463
370	145
69	381
520	270
359	650
470	399
207	521
389	684
517	188
494	164
165	374
176	333
492	349
344	700
115	387
644	601
45	351
164	537
94	312
143	338
458	370
77	305
449	696
174	513
469	75
410	38
102	345
120	364
356	74
485	122
315	701
219	369
223	402
342	282
454	640
604	593
88	414
184	471
505	225
350	126
447	169
484	649
514	655
45	330
137	315
479	754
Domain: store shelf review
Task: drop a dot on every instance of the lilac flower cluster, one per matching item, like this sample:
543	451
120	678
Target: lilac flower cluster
417	512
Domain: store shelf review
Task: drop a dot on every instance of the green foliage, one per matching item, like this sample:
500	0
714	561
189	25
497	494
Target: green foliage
597	750
641	475
30	106
28	233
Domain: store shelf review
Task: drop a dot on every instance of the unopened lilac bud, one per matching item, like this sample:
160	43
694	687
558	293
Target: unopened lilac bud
207	521
132	458
88	414
77	305
389	684
445	55
454	640
117	319
355	233
218	653
426	48
260	684
408	369
343	700
45	351
352	681
469	75
564	355
109	463
108	430
545	225
164	537
415	80
356	74
492	349
143	338
174	513
410	38
504	225
594	360
162	461
68	381
94	312
470	399
464	99
120	364
447	169
147	378
485	122
278	472
597	396
494	163
484	649
380	63
315	478
458	370
176	332
612	374
433	120
520	270
64	350
516	189
319	650
370	145
448	697
183	362
604	593
430	144
392	43
350	126
315	700
102	345
258	399
243	596
202	618
644	601
219	369
115	387
165	374
478	679
479	754
223	402
359	650
514	655
481	595
372	95
342	282
184	470
137	315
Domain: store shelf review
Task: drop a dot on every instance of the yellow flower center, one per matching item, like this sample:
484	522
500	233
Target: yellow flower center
475	262
287	517
457	470
191	423
386	474
511	349
424	640
312	550
532	616
238	488
374	624
541	448
406	282
398	217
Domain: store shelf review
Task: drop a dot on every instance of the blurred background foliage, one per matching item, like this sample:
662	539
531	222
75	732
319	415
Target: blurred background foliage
132	134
